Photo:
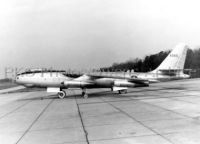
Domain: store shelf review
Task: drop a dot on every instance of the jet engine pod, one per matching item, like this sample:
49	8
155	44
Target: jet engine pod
123	83
76	84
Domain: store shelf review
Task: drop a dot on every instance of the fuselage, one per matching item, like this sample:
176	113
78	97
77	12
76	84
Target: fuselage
106	80
170	69
48	79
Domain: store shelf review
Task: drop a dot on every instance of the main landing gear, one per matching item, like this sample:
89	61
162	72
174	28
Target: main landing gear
84	94
61	94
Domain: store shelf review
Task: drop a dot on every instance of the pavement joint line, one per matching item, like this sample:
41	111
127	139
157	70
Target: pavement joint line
70	142
164	89
155	96
133	122
163	119
101	102
83	126
132	99
140	123
99	125
36	130
109	124
132	137
166	97
34	121
166	109
15	109
184	101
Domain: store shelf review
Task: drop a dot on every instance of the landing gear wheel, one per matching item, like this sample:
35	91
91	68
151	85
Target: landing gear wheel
61	94
84	94
122	91
125	91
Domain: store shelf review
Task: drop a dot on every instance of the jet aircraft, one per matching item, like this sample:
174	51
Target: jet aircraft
170	69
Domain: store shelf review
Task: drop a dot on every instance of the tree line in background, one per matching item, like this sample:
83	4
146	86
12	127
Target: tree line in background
151	62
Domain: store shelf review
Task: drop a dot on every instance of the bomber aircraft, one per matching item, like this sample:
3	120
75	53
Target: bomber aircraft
170	69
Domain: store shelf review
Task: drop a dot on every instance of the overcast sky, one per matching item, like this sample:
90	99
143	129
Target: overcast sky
80	34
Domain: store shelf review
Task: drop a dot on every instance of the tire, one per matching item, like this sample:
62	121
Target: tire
85	96
61	94
125	91
83	93
122	91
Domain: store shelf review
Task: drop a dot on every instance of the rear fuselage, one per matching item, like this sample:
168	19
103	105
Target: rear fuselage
159	77
149	76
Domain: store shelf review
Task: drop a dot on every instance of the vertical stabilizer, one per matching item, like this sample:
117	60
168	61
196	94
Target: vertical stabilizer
175	60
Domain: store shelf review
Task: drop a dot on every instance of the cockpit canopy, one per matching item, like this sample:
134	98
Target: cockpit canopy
34	71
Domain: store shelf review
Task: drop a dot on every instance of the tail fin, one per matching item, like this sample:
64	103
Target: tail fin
175	60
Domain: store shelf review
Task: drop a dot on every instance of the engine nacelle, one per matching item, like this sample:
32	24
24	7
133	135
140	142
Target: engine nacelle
121	83
124	83
76	84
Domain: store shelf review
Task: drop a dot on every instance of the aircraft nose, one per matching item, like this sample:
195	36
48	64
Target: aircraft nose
17	79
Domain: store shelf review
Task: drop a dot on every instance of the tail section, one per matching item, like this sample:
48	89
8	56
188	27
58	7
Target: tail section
175	60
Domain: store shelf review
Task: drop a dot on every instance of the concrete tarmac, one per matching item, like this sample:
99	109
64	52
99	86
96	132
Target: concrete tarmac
164	113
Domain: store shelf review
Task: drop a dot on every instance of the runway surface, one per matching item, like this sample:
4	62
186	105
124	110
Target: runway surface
164	113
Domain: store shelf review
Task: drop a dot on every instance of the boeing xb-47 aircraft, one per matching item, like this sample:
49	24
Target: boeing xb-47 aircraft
170	69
